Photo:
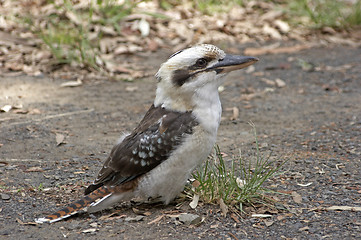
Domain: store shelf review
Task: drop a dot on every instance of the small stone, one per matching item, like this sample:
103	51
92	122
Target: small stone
120	220
268	223
264	145
94	224
280	83
90	230
188	218
6	108
134	219
6	232
282	26
304	229
73	226
5	196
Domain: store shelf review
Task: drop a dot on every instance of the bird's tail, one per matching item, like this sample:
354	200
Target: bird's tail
75	207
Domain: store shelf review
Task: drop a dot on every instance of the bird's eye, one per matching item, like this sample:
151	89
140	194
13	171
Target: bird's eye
201	62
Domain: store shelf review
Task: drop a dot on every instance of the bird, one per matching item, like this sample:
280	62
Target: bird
175	136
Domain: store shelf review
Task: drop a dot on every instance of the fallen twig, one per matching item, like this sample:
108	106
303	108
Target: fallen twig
46	117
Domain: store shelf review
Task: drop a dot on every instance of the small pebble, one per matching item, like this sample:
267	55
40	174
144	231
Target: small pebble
73	226
5	196
94	224
188	218
280	83
134	219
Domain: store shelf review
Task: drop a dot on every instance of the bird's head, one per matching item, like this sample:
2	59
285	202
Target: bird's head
193	71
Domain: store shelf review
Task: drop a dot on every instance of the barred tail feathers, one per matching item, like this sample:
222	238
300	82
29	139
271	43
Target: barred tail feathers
75	207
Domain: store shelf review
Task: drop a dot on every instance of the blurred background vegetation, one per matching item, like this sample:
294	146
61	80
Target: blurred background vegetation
74	31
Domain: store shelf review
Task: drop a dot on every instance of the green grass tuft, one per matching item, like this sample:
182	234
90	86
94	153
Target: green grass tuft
237	185
208	7
325	13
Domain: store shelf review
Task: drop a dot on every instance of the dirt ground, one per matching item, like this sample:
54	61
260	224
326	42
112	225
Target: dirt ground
314	122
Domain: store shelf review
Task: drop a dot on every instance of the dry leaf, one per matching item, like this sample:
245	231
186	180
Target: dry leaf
223	207
342	40
112	215
235	218
59	138
214	226
137	211
141	212
267	50
73	17
157	219
271	15
196	183
267	29
268	81
130	48
14	66
6	108
108	30
306	66
147	213
250	69
188	218
20	111
152	45
34	169
94	224
134	219
297	198
344	208
25	223
240	182
268	223
280	83
116	68
235	115
194	203
250	96
72	83
144	27
90	230
131	88
304	185
17	106
261	215
34	111
283	26
173	215
304	229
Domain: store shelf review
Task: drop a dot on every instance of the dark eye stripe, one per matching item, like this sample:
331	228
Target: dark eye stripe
180	76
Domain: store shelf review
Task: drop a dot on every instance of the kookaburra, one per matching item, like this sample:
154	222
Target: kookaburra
176	134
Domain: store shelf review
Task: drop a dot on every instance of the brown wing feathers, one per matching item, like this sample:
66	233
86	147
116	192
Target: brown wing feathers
146	147
157	135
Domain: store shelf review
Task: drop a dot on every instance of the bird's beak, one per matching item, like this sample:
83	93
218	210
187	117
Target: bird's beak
233	62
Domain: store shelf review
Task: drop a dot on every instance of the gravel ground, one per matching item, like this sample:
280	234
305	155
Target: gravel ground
311	118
